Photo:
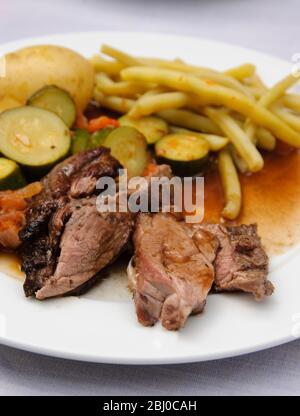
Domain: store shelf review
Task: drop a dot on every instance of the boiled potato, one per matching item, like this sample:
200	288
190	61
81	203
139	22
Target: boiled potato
29	69
6	103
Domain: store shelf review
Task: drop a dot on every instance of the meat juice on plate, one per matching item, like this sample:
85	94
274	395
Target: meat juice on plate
10	264
271	198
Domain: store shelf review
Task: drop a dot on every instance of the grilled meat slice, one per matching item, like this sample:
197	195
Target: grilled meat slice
172	276
90	241
40	251
241	263
71	182
91	164
73	178
175	265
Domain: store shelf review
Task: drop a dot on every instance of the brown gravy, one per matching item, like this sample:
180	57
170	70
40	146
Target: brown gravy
271	198
10	264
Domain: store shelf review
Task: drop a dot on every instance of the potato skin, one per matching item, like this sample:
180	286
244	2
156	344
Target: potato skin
29	69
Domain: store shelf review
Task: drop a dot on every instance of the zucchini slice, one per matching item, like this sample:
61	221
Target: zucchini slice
97	139
215	142
10	175
56	100
129	147
80	141
185	153
83	140
153	128
33	137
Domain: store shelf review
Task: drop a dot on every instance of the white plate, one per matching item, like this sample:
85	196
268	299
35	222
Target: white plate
101	326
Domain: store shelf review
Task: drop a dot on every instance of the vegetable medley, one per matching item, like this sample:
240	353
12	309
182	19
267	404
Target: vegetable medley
146	110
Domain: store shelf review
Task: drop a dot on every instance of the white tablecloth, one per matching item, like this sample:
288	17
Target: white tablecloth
271	26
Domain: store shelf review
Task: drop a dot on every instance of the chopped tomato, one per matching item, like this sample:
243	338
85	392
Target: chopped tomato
101	122
12	213
12	202
30	190
150	168
10	225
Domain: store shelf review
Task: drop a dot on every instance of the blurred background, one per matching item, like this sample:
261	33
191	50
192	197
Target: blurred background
270	26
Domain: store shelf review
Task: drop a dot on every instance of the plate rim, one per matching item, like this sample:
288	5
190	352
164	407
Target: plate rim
140	33
81	357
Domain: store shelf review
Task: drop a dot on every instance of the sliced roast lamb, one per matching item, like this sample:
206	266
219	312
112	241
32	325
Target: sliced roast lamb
90	241
74	177
66	241
241	263
172	273
175	265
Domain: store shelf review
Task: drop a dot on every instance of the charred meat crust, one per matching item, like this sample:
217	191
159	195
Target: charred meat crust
57	185
69	185
242	263
90	241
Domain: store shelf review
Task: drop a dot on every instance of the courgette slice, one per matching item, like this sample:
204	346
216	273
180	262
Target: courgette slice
215	142
83	140
129	147
98	138
153	128
11	176
185	153
33	137
57	100
80	141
